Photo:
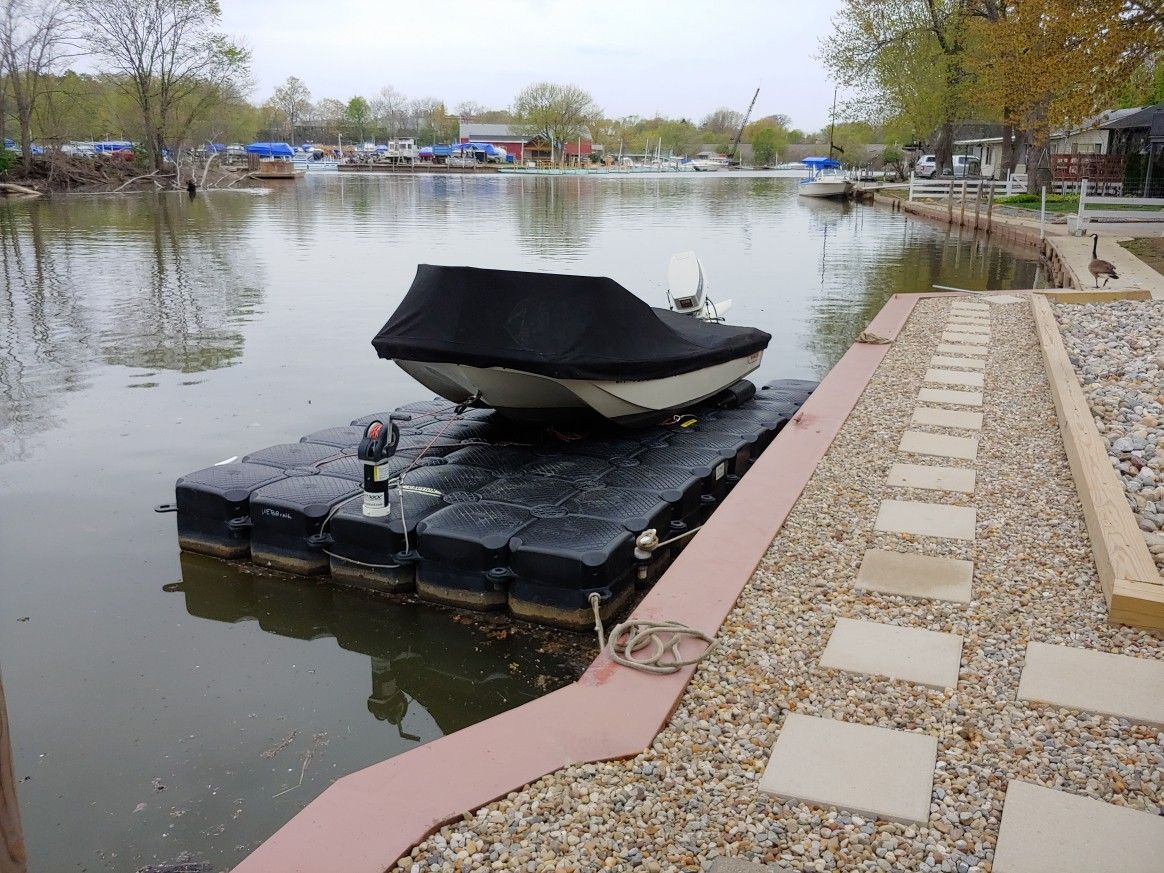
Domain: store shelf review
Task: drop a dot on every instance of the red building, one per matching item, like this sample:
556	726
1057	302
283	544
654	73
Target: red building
522	148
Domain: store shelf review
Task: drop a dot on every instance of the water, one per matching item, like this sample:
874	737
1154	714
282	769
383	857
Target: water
162	705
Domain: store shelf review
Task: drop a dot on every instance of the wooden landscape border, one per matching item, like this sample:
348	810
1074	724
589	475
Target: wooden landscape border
1093	295
1131	583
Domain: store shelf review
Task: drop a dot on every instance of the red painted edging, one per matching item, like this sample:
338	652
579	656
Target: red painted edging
367	820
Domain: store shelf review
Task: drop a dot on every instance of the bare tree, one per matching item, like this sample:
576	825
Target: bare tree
292	100
167	56
390	109
34	37
559	113
468	110
723	120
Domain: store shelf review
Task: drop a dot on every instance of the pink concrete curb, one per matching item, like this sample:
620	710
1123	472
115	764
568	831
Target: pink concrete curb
364	822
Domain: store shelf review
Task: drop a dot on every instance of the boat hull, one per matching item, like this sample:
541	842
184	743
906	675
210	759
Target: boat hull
530	397
825	188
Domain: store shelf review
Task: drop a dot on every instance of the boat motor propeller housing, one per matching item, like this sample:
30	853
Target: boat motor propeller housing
376	448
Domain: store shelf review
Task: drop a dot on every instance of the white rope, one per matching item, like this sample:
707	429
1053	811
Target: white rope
661	638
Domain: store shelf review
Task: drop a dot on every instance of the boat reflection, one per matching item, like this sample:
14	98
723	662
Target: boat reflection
458	675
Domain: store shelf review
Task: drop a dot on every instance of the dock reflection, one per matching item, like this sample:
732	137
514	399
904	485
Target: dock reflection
457	669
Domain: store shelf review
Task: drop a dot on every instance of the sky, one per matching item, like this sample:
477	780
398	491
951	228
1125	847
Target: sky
636	57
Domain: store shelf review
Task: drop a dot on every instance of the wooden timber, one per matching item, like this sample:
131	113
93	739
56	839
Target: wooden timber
1096	295
13	858
1131	584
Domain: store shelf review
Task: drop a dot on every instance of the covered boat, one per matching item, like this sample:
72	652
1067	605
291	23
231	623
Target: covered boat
826	179
552	347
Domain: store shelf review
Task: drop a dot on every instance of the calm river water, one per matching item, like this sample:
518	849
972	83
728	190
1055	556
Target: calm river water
164	704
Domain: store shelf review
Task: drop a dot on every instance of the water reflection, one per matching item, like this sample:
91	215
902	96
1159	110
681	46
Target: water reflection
417	665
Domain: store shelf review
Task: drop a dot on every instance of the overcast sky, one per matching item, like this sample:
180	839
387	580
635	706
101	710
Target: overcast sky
636	57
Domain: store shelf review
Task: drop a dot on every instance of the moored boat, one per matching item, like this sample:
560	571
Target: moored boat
549	347
826	179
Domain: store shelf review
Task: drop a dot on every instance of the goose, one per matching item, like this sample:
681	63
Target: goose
1099	267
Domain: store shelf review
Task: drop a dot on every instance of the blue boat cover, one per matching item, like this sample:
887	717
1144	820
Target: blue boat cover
271	149
821	163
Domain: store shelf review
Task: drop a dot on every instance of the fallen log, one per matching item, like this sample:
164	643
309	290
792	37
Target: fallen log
13	188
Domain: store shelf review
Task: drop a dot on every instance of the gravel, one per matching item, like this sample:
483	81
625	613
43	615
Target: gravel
692	796
1118	352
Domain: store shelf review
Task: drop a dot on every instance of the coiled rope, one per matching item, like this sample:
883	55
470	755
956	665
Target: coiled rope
659	639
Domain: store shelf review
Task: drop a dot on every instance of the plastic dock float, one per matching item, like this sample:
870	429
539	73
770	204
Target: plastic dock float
484	513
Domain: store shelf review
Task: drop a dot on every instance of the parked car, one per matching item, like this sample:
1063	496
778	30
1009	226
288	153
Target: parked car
965	167
81	149
926	167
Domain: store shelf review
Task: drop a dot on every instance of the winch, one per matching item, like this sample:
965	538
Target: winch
375	451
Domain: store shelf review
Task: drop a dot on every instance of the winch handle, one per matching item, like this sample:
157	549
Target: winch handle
379	441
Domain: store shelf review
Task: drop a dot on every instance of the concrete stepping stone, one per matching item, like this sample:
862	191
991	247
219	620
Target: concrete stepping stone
951	336
735	865
953	377
965	363
1075	678
876	771
969	316
956	398
931	477
947	418
926	519
1003	298
910	654
911	575
1049	831
970	304
957	349
970	328
919	442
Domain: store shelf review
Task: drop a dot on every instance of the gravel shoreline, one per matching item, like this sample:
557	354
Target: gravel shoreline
1117	350
692	796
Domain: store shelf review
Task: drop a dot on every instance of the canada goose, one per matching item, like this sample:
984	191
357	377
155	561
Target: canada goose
1099	267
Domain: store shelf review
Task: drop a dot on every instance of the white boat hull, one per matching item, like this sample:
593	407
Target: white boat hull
531	397
825	188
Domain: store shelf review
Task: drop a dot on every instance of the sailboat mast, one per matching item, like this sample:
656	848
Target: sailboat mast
833	122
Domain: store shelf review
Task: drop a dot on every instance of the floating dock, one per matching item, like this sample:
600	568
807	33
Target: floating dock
486	514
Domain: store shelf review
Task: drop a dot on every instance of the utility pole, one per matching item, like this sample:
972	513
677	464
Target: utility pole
13	857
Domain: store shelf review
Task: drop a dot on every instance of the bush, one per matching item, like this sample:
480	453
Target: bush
8	160
1035	199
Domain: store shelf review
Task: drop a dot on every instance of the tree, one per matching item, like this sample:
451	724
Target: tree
328	116
389	109
765	146
468	110
358	114
168	57
558	113
34	37
723	120
292	100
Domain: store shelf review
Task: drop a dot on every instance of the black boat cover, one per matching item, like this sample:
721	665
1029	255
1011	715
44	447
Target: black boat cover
564	327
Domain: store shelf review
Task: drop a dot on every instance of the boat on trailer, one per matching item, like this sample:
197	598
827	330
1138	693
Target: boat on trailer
546	347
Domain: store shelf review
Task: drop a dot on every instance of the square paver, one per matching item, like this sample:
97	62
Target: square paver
1049	831
970	305
855	767
947	418
954	377
974	339
926	519
911	575
964	363
956	398
968	318
970	328
1003	298
958	349
910	654
1077	678
919	442
931	477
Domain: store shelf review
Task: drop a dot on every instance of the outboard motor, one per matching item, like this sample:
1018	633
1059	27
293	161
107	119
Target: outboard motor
376	449
685	283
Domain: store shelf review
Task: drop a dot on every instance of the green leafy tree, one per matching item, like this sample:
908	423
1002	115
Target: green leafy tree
558	113
765	146
358	114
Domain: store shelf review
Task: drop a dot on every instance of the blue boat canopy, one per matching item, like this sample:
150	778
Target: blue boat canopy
270	149
113	145
488	148
821	163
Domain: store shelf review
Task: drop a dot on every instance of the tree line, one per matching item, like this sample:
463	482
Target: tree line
919	68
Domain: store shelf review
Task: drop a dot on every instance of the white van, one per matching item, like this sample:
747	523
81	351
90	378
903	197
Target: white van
966	167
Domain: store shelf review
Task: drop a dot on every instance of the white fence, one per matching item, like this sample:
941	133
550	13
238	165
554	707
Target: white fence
947	187
1149	208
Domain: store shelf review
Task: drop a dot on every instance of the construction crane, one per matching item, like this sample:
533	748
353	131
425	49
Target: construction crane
739	133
